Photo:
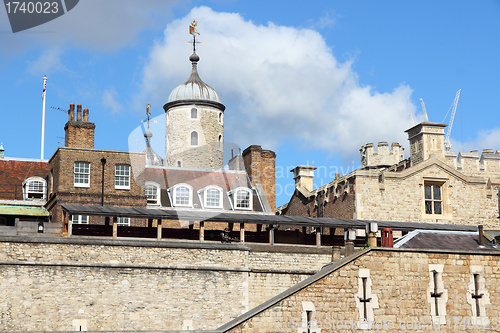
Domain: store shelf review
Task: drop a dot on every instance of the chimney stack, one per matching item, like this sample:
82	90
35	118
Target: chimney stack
304	176
78	134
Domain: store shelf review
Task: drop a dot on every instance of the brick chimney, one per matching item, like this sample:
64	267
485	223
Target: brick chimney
304	176
426	140
78	133
260	167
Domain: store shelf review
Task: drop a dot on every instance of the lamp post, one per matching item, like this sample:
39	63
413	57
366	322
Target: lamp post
103	162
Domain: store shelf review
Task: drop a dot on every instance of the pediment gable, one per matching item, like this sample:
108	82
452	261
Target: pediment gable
438	165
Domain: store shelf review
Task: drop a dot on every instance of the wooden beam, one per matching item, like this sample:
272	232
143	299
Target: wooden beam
271	235
70	223
159	229
202	231
242	232
115	227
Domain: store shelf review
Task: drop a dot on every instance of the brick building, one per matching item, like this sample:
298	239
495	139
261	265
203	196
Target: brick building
432	185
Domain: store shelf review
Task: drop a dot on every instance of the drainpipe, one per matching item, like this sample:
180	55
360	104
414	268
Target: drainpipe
103	162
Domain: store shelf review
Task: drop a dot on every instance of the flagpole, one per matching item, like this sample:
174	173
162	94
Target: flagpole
43	113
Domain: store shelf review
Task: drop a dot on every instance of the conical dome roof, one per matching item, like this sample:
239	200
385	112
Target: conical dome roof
194	88
152	158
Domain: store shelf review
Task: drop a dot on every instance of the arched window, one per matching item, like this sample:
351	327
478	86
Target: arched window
152	192
220	141
213	197
182	195
194	138
179	164
220	117
34	189
242	198
194	113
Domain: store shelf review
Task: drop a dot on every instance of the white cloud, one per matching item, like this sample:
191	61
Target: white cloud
278	83
110	101
486	139
48	62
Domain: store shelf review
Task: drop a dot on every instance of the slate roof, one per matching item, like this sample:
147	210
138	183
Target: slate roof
252	218
198	179
444	240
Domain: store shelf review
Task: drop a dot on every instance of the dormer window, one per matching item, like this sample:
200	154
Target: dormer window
152	192
242	198
212	197
34	189
182	195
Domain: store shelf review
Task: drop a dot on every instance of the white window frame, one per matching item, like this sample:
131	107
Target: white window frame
157	200
123	221
235	198
81	172
26	185
119	177
206	190
174	195
80	219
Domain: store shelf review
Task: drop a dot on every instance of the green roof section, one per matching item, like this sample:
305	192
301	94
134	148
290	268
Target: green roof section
23	210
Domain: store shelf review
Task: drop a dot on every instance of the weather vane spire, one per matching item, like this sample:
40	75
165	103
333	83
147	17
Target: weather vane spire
193	31
148	113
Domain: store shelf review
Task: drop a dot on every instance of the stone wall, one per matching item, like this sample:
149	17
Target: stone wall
399	292
209	126
402	198
52	284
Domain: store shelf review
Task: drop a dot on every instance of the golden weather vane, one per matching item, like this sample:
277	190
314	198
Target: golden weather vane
194	32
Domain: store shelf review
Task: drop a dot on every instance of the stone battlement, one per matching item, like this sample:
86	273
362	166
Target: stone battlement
474	164
382	156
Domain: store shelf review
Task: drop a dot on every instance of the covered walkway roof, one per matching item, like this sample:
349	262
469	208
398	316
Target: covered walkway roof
214	216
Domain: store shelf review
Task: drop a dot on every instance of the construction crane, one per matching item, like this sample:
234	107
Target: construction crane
447	143
424	109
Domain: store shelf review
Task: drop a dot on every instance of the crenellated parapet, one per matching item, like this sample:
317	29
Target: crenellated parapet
383	156
472	163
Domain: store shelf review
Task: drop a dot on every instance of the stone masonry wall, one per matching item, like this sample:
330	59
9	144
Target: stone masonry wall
130	285
400	289
397	199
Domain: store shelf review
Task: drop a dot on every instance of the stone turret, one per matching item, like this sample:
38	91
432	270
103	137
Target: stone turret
426	140
382	156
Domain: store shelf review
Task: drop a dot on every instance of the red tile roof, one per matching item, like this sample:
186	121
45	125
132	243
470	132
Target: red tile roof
14	172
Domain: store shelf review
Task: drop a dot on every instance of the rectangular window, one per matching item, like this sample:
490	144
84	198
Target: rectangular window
123	221
80	219
122	177
433	199
82	174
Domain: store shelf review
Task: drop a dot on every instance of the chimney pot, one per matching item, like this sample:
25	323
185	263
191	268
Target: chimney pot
78	112
71	112
85	115
481	240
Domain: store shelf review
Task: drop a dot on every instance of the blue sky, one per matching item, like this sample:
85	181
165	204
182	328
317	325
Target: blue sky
313	81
